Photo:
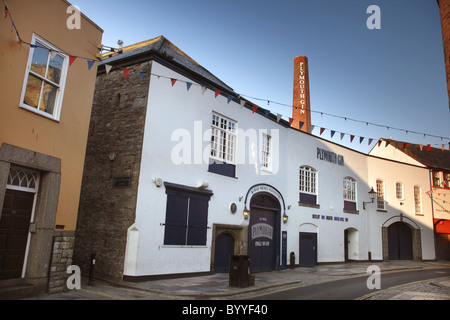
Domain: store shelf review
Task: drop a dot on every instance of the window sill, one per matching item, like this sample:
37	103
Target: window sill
381	210
39	112
350	211
315	206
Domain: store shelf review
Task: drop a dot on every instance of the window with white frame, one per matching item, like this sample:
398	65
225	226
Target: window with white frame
381	203
223	138
418	199
266	151
308	185
349	194
399	191
44	79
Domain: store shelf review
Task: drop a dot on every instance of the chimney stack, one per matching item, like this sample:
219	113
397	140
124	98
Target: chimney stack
301	111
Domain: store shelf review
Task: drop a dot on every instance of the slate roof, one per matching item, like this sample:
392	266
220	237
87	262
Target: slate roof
167	50
434	159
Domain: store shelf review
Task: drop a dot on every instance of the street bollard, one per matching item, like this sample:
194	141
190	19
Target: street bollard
91	281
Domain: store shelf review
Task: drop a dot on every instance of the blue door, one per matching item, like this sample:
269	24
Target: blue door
223	250
308	249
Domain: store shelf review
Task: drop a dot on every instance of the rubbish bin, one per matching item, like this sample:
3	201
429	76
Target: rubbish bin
239	271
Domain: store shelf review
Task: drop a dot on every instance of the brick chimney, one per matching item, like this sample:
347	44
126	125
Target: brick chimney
444	9
301	111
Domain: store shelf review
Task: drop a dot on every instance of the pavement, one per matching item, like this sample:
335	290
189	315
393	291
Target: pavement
216	286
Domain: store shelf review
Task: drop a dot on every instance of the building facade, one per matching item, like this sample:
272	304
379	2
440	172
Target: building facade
48	68
181	172
437	162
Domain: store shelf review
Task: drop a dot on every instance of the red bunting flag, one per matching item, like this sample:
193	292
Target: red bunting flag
125	72
322	130
428	147
255	107
6	11
173	81
405	145
379	142
290	121
352	137
217	92
71	60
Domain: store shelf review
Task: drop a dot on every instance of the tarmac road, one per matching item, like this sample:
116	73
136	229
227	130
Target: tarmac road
352	288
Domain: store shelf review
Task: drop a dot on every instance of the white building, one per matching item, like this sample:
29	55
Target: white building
218	176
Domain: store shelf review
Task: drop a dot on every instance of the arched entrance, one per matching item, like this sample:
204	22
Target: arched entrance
264	233
351	244
223	249
400	241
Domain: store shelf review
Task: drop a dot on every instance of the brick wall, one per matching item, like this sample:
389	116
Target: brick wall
444	8
113	156
62	252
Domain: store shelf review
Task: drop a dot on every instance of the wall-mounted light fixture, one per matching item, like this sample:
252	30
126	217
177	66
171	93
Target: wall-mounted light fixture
285	217
246	212
372	195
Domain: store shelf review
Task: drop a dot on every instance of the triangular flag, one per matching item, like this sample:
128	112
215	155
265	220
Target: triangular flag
370	142
443	147
125	72
301	125
428	147
229	98
242	103
352	137
342	135
421	147
361	139
332	133
254	108
108	68
322	130
90	64
217	92
290	121
6	11
312	127
203	89
188	85
405	145
379	142
278	117
173	81
71	60
141	75
266	113
387	143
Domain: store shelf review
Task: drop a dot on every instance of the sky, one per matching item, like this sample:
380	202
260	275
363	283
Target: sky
393	76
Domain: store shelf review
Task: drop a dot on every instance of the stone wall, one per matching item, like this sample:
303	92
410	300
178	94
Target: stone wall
63	245
110	180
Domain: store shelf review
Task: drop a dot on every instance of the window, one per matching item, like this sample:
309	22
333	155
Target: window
381	203
399	191
186	215
349	193
266	152
418	200
446	180
45	79
223	139
436	178
308	185
223	146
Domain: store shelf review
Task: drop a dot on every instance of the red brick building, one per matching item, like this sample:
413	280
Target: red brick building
444	8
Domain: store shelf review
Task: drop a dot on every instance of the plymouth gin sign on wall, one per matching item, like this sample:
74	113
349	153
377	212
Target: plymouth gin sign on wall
329	156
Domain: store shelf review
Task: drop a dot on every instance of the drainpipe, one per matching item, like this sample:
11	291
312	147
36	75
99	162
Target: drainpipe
430	175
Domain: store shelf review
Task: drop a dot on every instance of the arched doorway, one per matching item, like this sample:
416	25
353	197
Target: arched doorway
223	249
351	244
400	242
264	233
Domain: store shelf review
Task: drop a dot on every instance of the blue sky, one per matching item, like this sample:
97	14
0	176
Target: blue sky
393	76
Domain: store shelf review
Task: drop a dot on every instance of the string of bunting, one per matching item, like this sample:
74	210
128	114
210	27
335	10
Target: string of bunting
20	41
255	107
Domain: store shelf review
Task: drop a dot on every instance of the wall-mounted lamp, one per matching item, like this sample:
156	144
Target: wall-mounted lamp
372	195
285	217
246	213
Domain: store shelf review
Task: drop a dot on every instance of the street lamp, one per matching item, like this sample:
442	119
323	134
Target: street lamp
246	212
372	195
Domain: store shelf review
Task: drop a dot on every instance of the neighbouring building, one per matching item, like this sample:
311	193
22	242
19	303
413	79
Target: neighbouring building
437	162
181	172
444	11
48	60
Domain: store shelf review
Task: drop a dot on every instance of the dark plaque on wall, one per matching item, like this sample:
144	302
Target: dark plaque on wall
122	182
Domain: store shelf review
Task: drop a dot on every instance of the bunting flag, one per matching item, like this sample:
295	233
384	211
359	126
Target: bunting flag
301	123
108	68
71	60
290	121
173	81
361	139
352	137
217	92
387	143
405	145
428	147
332	132
342	135
229	98
322	130
6	11
266	113
90	64
421	147
278	117
142	74
203	90
254	108
125	72
370	141
188	85
379	143
242	103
